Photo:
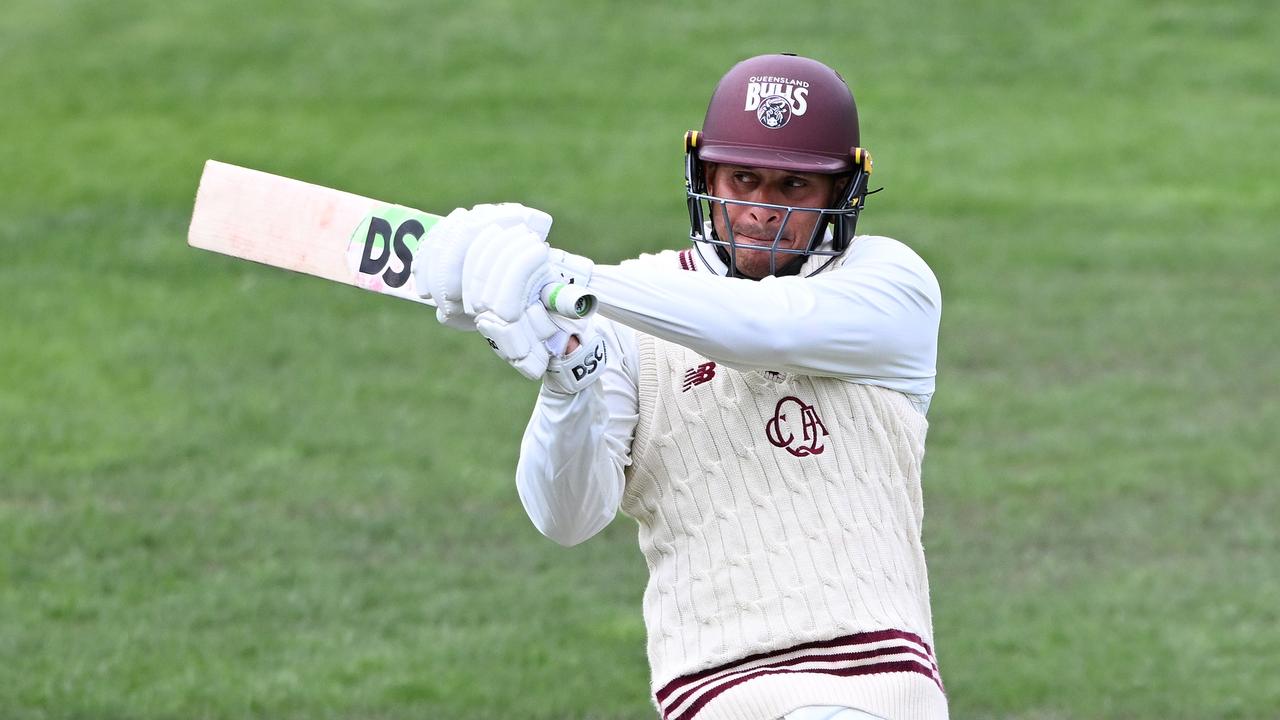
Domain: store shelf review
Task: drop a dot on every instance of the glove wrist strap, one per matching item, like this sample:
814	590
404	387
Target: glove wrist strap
579	369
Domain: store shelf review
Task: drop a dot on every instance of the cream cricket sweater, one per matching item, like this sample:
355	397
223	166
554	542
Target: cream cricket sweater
780	517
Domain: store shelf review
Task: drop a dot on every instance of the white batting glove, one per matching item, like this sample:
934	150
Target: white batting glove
571	268
570	374
535	346
437	267
524	342
504	272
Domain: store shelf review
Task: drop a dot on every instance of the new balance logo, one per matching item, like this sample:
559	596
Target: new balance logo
698	375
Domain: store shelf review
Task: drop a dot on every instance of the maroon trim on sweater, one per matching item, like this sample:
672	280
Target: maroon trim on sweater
879	668
686	260
678	691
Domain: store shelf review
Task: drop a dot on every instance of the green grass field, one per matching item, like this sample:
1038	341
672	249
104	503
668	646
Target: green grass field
231	492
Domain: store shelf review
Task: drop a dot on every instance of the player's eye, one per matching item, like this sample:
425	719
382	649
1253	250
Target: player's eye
744	178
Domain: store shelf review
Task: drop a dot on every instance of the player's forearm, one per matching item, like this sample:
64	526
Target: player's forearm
846	326
570	475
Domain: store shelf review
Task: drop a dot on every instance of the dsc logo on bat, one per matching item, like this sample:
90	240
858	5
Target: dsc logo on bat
380	250
381	242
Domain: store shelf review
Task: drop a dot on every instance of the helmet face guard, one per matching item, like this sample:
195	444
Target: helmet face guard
780	112
841	217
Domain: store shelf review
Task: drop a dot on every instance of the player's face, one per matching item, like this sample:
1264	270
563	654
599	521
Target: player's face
755	225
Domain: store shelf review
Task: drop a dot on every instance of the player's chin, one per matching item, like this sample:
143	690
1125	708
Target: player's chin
755	263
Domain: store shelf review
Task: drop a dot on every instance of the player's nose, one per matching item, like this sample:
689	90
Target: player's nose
764	215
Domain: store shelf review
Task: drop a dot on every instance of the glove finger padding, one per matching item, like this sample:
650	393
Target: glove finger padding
504	271
444	276
518	343
551	329
456	319
437	269
513	214
438	264
429	256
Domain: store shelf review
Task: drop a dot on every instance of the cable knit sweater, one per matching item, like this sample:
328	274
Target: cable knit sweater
780	517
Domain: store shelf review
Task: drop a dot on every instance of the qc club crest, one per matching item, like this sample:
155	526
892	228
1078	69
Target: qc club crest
775	100
796	428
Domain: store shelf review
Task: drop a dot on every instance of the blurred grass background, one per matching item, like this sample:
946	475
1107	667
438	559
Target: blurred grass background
231	492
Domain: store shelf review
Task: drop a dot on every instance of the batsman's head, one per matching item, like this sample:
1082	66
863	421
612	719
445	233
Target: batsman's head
776	165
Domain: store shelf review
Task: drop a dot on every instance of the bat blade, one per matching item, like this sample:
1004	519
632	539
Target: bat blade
295	225
308	228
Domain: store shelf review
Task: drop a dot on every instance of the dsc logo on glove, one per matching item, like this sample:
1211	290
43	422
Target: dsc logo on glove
591	364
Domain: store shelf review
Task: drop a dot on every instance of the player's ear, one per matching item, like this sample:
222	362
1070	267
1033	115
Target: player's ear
837	187
710	170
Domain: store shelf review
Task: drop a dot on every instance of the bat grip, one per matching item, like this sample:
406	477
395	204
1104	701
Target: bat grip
571	301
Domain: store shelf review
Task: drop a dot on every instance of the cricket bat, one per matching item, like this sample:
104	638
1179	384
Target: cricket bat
327	233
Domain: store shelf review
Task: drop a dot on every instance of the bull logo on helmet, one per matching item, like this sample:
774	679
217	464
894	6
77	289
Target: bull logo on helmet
774	111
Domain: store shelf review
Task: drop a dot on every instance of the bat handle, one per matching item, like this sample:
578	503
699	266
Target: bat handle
571	301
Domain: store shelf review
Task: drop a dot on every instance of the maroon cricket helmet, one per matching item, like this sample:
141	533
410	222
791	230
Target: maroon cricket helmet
782	112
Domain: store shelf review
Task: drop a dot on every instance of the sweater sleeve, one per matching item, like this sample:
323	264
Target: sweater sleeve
873	319
576	447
